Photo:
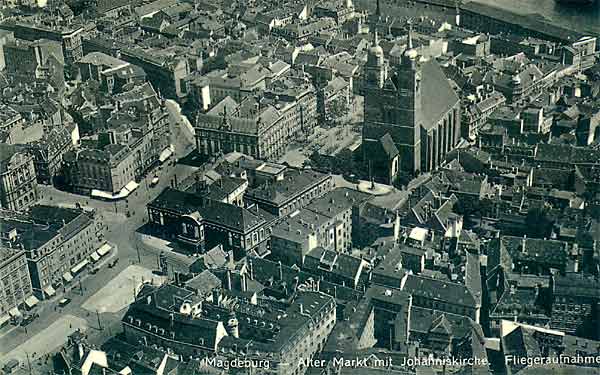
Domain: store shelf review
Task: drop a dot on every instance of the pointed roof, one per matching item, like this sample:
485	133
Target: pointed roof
437	94
441	326
388	145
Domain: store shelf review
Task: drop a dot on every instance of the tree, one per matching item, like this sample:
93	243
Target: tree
338	109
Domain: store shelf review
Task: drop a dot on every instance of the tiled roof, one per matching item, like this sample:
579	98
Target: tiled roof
216	212
342	264
437	94
294	182
439	290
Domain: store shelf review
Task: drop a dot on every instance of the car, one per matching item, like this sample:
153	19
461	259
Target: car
95	270
154	181
64	302
113	263
351	178
27	320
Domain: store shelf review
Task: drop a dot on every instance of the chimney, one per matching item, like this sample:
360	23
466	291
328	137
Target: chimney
80	350
280	270
216	296
244	283
229	284
524	244
301	309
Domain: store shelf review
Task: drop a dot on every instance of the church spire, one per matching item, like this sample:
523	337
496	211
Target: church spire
410	37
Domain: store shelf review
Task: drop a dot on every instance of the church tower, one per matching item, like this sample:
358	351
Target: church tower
414	108
408	82
375	69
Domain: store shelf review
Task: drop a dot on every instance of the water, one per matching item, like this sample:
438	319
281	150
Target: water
581	18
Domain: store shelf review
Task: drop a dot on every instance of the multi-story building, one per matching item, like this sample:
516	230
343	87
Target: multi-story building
150	123
18	184
226	326
49	151
42	246
106	173
59	243
441	295
292	190
69	36
11	125
135	137
339	11
41	59
15	283
341	269
515	85
477	113
245	127
165	72
203	223
112	73
295	98
343	206
576	305
415	105
299	233
82	233
260	127
235	83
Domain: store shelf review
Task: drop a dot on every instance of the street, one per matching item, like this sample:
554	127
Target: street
88	292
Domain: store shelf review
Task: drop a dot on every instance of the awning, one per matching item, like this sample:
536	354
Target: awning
95	256
49	290
79	266
67	276
131	186
123	193
102	194
14	312
4	319
167	152
103	250
31	301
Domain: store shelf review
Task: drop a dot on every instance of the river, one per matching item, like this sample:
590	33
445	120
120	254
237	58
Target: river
580	18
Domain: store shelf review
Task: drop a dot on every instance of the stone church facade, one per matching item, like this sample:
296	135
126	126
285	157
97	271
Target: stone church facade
412	103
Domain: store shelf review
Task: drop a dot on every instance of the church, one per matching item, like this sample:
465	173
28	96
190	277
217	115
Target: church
412	114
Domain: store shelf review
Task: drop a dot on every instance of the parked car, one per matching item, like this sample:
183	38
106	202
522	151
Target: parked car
28	319
64	302
95	270
154	181
113	263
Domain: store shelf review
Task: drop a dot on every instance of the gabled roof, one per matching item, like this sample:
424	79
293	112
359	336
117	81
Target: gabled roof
437	94
441	326
229	215
439	290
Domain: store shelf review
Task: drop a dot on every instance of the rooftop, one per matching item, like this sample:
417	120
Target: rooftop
294	182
